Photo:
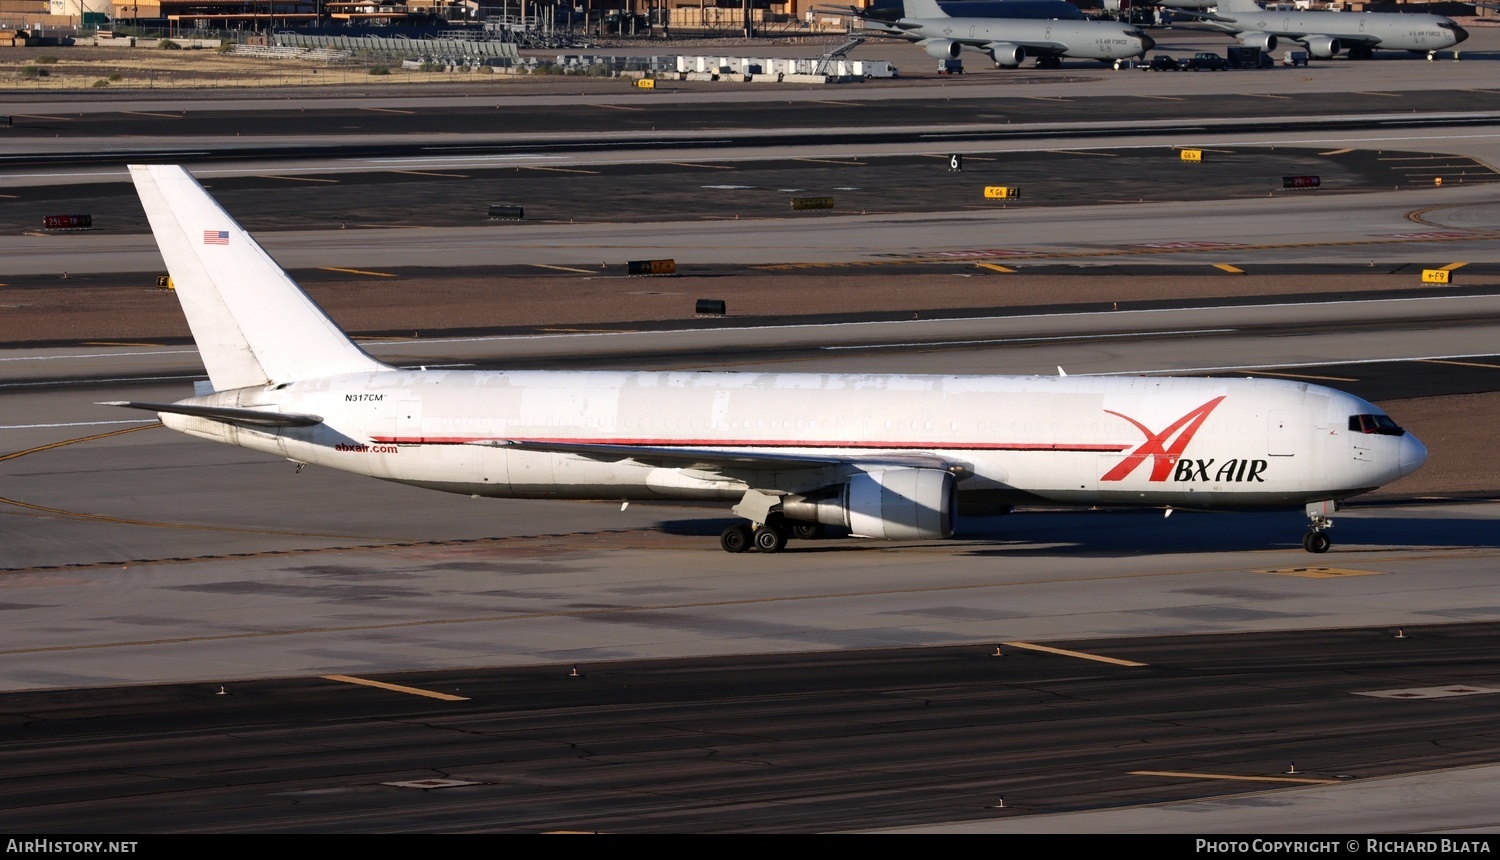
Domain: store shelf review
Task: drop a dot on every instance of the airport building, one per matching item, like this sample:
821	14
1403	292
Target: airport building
596	16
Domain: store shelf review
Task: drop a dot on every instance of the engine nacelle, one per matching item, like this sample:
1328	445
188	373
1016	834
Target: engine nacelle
893	504
1323	47
943	49
1005	54
1264	41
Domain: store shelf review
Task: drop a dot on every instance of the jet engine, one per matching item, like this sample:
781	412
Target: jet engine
893	504
1264	41
1323	47
1005	54
943	49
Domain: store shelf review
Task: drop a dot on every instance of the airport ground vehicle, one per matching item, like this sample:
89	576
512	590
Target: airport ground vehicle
1205	61
1248	57
1164	63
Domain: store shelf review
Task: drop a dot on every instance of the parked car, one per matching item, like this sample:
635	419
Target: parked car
1206	61
1164	63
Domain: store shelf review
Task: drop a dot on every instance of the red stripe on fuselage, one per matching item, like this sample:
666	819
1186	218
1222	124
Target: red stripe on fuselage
758	443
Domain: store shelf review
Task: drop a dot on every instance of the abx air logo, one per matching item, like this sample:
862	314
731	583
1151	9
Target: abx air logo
1164	448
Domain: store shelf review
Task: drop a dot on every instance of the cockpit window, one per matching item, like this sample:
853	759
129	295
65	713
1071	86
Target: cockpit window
1381	425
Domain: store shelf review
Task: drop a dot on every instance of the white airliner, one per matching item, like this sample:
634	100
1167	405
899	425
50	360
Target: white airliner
885	456
1325	34
1009	41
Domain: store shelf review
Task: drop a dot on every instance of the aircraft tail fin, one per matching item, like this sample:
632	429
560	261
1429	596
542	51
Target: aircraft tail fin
923	9
252	323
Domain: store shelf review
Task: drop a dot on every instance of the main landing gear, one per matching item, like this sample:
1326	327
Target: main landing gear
769	537
1316	540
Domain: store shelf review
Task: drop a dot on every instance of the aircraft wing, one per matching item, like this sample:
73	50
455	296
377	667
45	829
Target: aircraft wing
1202	16
227	414
1033	48
727	460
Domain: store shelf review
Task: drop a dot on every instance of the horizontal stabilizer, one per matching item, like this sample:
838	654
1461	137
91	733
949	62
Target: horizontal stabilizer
229	414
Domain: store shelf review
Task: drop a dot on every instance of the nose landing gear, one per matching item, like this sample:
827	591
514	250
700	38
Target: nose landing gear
1316	540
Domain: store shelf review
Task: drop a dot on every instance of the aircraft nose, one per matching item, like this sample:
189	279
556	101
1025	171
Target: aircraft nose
1413	454
1147	43
1459	34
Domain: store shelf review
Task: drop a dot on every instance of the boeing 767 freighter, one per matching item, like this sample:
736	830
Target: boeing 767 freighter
886	456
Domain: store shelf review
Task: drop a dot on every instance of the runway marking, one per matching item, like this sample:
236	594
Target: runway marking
1459	363
1085	152
395	688
116	343
558	169
549	540
1172	774
48	447
148	113
967	157
11	196
704	166
78	515
43	116
427	173
1162	98
1079	654
1266	96
1451	267
1137	251
1305	376
1370	93
388	110
1233	270
358	272
1319	572
126	521
1036	339
994	267
619	107
831	161
563	268
840	104
1047	98
1336	152
299	178
72	424
1431	692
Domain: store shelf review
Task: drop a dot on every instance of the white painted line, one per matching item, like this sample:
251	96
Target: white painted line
76	424
979	342
1431	692
98	355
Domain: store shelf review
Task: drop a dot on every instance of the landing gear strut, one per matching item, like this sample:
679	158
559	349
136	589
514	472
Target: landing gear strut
1318	523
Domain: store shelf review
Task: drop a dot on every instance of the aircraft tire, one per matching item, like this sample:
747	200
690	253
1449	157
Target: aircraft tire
807	531
736	538
1316	542
768	538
